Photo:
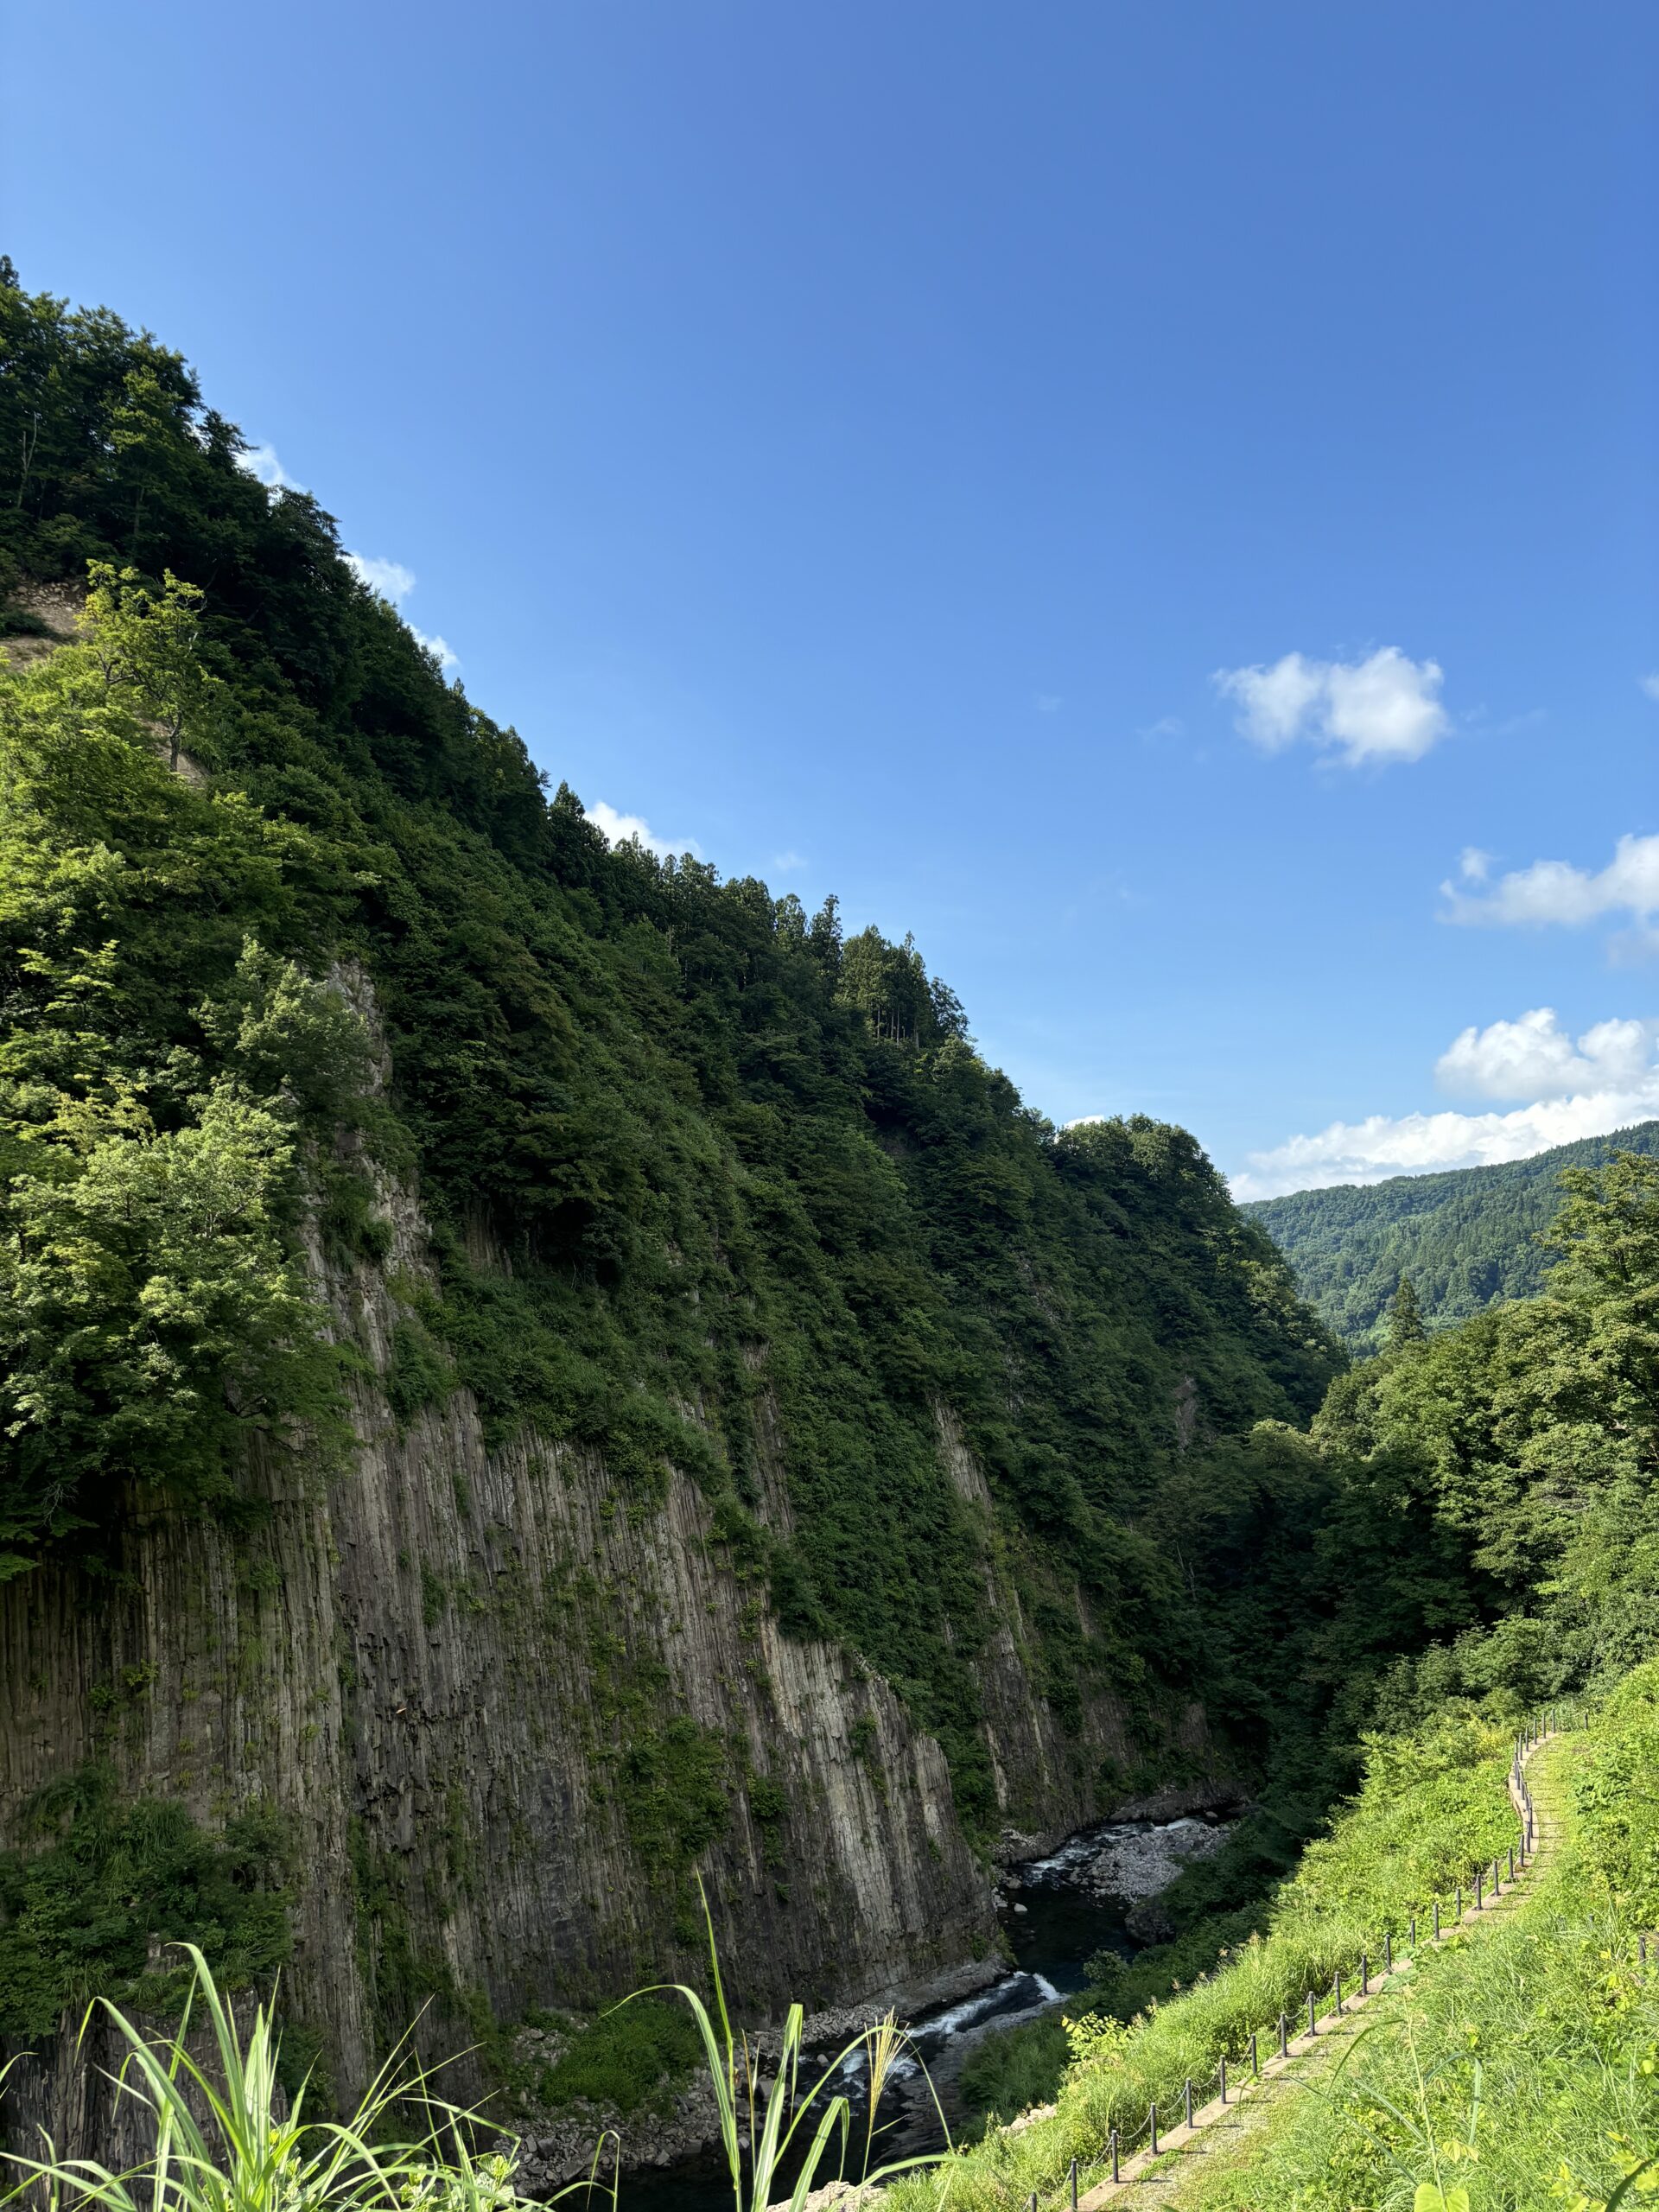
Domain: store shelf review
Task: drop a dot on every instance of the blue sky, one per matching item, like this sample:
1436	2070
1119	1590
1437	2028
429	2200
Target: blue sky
1132	494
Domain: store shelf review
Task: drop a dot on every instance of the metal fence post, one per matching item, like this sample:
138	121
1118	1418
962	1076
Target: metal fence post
1284	2037
1313	2016
1074	2185
1437	1920
1152	2122
1114	2148
1187	2100
1221	2071
1255	2062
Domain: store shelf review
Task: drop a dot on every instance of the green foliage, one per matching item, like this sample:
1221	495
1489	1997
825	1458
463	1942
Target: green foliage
633	2058
672	1784
78	1904
236	2131
711	1189
1535	1431
1010	2073
1467	1239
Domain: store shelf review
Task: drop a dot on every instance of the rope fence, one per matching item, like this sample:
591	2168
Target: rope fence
1488	1880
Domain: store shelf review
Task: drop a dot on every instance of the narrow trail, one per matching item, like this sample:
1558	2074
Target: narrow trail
1221	2132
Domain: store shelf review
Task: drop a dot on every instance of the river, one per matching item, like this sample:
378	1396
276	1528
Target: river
1054	1916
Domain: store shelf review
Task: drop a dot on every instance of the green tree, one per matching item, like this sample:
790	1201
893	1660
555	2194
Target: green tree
149	648
1405	1318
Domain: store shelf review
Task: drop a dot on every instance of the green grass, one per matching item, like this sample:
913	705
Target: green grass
1525	2064
1431	1807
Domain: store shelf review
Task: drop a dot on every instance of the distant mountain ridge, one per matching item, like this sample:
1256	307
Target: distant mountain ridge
1467	1237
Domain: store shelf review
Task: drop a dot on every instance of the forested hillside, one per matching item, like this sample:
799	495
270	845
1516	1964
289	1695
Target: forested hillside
1465	1239
528	1370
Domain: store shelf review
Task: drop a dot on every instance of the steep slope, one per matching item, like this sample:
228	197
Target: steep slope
529	1372
1466	1238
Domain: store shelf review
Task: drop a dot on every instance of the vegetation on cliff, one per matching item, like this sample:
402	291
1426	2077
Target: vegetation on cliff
728	1154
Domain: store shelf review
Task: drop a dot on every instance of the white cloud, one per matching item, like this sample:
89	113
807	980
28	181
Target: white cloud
262	461
389	579
392	581
448	658
788	863
1555	891
1048	702
1165	726
1473	864
1651	685
622	829
1535	1057
1605	1080
1386	708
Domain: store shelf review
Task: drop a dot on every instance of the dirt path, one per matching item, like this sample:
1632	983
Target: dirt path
1221	2135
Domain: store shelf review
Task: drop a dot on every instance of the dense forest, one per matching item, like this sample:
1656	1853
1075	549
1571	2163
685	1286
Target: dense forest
1465	1239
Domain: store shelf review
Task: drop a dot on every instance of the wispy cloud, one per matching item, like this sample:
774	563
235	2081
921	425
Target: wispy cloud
1605	1079
392	581
1384	708
1556	891
1048	702
446	655
1650	684
1165	726
789	863
634	828
387	579
262	461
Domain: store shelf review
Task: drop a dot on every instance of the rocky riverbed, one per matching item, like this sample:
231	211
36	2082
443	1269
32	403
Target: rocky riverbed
1099	1889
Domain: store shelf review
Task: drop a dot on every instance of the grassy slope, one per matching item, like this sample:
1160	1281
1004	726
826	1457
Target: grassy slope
1466	1238
1430	1808
1534	2046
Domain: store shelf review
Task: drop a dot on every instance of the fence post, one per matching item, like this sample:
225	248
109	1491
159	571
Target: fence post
1255	2062
1387	1950
1152	2123
1284	2037
1113	2146
1437	1920
1336	1990
1412	1932
1364	1975
1074	2185
1221	2072
1479	1900
1187	2100
1313	2016
1459	1910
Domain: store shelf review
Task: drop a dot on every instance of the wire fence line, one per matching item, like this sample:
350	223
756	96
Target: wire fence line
1170	2127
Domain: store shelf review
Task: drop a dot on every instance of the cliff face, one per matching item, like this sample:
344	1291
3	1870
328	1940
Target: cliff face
477	1687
